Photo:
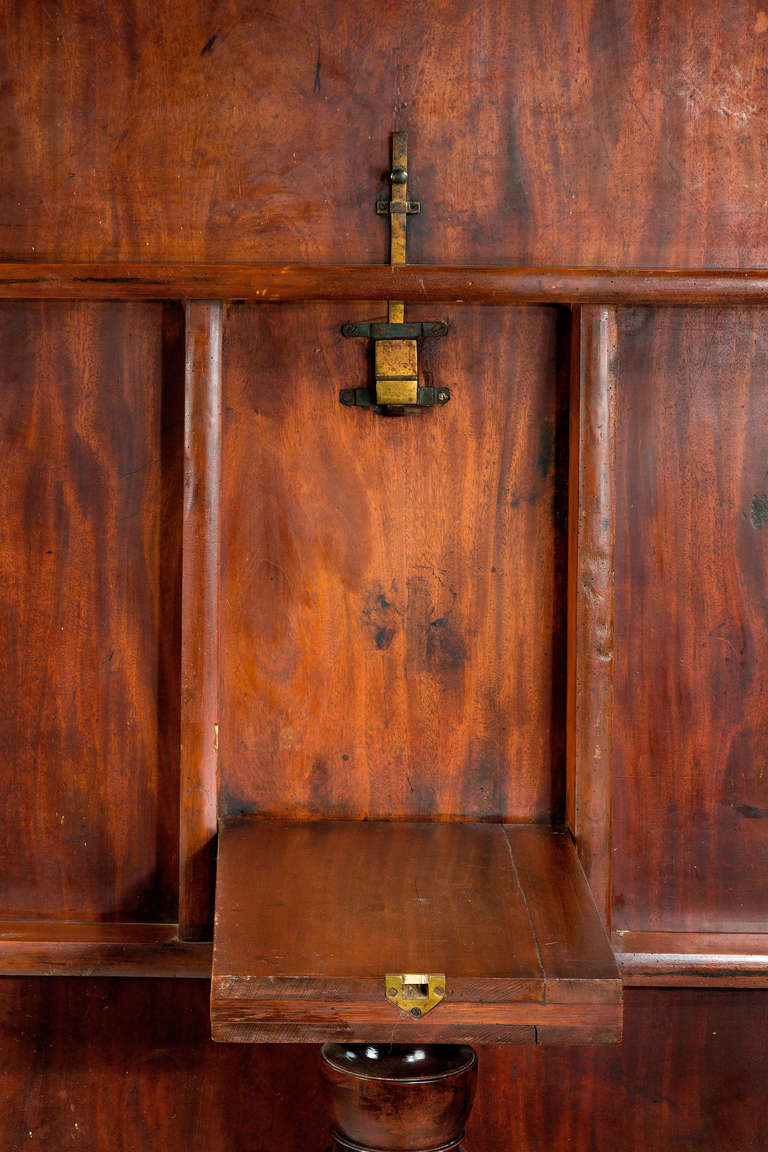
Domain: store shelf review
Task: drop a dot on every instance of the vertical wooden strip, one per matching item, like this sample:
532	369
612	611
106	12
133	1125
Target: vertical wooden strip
592	515
200	618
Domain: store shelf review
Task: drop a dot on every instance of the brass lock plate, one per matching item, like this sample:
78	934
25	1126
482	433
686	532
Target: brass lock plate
396	369
415	992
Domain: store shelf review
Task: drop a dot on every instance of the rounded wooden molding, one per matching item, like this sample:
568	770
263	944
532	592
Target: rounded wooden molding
399	1097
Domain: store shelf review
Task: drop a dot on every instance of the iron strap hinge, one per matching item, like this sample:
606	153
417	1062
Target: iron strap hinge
426	397
403	331
403	207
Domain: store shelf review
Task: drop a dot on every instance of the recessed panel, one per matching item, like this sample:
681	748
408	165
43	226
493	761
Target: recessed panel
392	588
91	430
691	722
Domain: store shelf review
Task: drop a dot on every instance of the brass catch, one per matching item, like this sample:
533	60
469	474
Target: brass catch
413	992
396	388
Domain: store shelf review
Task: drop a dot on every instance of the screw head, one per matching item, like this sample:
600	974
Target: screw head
440	991
399	175
443	395
392	992
415	1011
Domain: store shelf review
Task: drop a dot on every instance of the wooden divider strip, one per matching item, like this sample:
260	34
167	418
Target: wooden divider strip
200	619
592	516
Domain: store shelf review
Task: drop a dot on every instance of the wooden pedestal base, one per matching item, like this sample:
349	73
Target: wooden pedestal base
398	1097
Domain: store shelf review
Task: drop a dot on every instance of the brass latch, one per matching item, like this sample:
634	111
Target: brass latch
396	344
415	993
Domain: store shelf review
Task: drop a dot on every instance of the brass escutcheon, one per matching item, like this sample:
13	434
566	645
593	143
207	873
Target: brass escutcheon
414	992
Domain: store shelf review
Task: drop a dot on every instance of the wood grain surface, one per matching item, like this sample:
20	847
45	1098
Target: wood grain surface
605	135
693	959
691	721
130	1063
446	283
88	948
397	1097
311	916
626	134
89	569
200	672
393	589
591	543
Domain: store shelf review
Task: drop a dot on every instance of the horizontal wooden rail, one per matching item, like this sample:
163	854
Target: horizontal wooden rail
415	282
63	948
692	959
69	948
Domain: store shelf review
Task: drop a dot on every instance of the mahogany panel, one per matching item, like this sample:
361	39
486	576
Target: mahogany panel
393	589
130	1064
606	134
690	787
690	1074
90	427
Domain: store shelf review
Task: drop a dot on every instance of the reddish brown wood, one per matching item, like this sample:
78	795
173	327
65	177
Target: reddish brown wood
311	916
64	948
89	610
592	526
690	787
477	284
392	596
200	619
398	1098
716	959
132	1060
562	912
624	135
603	135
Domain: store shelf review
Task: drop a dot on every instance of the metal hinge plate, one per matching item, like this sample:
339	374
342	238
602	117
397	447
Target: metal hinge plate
413	992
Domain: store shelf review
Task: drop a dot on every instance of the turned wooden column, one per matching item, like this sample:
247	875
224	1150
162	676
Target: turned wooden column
398	1097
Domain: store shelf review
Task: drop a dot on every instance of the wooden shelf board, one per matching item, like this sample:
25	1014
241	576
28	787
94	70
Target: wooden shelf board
73	948
311	916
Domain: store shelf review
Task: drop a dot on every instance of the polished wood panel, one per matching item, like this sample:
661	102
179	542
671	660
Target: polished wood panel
393	589
617	135
691	720
690	1073
591	543
200	619
89	567
311	916
131	1063
417	282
